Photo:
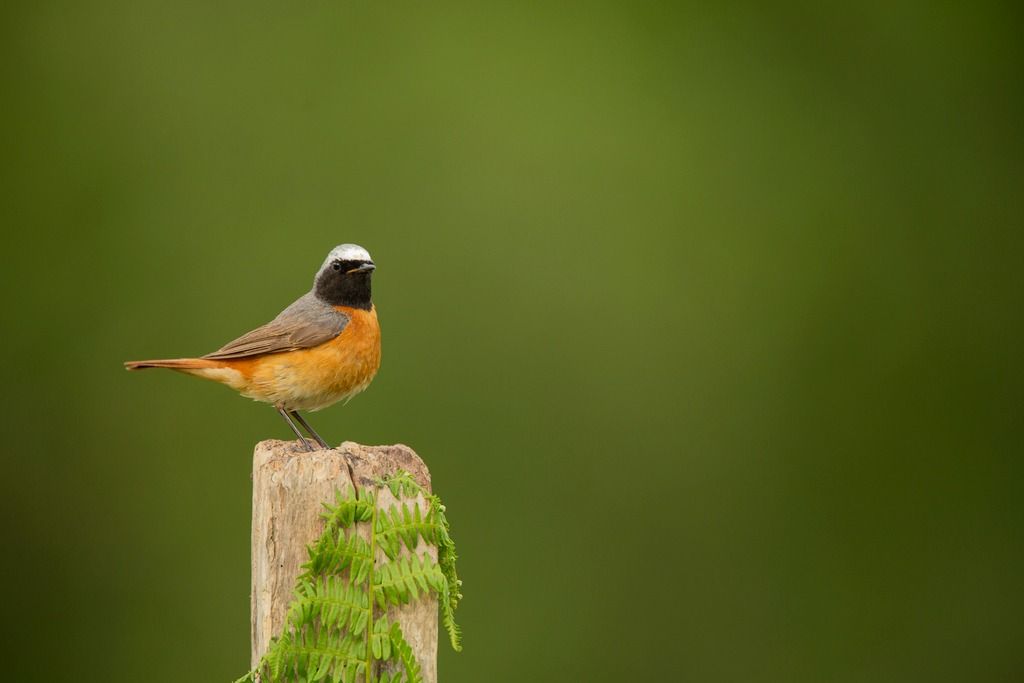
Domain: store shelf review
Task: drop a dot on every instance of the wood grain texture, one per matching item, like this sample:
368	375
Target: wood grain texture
289	487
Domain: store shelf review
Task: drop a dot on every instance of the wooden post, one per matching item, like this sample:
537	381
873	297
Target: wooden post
289	486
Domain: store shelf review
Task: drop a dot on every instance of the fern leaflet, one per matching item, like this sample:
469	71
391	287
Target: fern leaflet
337	625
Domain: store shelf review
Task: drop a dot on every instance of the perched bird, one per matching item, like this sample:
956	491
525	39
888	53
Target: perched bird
323	348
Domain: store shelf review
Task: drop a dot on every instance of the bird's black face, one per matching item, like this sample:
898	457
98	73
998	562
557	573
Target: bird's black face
346	283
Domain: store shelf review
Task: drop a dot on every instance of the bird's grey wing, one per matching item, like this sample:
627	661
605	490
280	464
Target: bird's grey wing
306	323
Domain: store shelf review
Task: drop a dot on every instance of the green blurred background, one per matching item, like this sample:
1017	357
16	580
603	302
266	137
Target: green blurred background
706	318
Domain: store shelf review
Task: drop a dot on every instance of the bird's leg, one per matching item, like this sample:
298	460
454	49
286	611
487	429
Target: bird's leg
288	419
305	425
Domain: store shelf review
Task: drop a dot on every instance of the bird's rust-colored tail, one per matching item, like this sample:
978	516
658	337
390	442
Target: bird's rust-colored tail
173	364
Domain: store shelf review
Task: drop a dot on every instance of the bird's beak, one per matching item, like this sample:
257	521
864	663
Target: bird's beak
364	268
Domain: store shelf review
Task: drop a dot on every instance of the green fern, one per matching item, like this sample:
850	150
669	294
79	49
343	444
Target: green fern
337	624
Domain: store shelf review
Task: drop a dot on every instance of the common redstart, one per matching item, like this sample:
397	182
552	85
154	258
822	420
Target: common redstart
323	348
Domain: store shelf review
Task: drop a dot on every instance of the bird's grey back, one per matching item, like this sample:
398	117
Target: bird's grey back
305	323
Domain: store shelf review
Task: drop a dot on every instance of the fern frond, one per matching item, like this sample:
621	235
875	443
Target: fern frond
401	484
348	509
402	580
335	552
413	673
332	632
447	604
452	593
330	601
309	656
405	524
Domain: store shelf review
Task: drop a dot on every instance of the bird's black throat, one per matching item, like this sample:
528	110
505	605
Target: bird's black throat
338	288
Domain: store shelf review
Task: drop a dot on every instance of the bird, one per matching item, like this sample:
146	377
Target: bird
321	349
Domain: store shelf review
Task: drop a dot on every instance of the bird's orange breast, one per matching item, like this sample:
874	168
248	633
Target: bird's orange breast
314	378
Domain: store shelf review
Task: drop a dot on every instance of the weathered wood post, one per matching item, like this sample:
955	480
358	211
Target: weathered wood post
289	486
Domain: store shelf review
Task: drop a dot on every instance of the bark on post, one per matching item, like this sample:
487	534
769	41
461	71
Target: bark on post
289	486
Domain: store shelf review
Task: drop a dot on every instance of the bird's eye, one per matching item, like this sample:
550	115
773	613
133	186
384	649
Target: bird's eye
336	265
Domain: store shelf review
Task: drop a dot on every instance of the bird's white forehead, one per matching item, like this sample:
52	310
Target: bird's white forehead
348	252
